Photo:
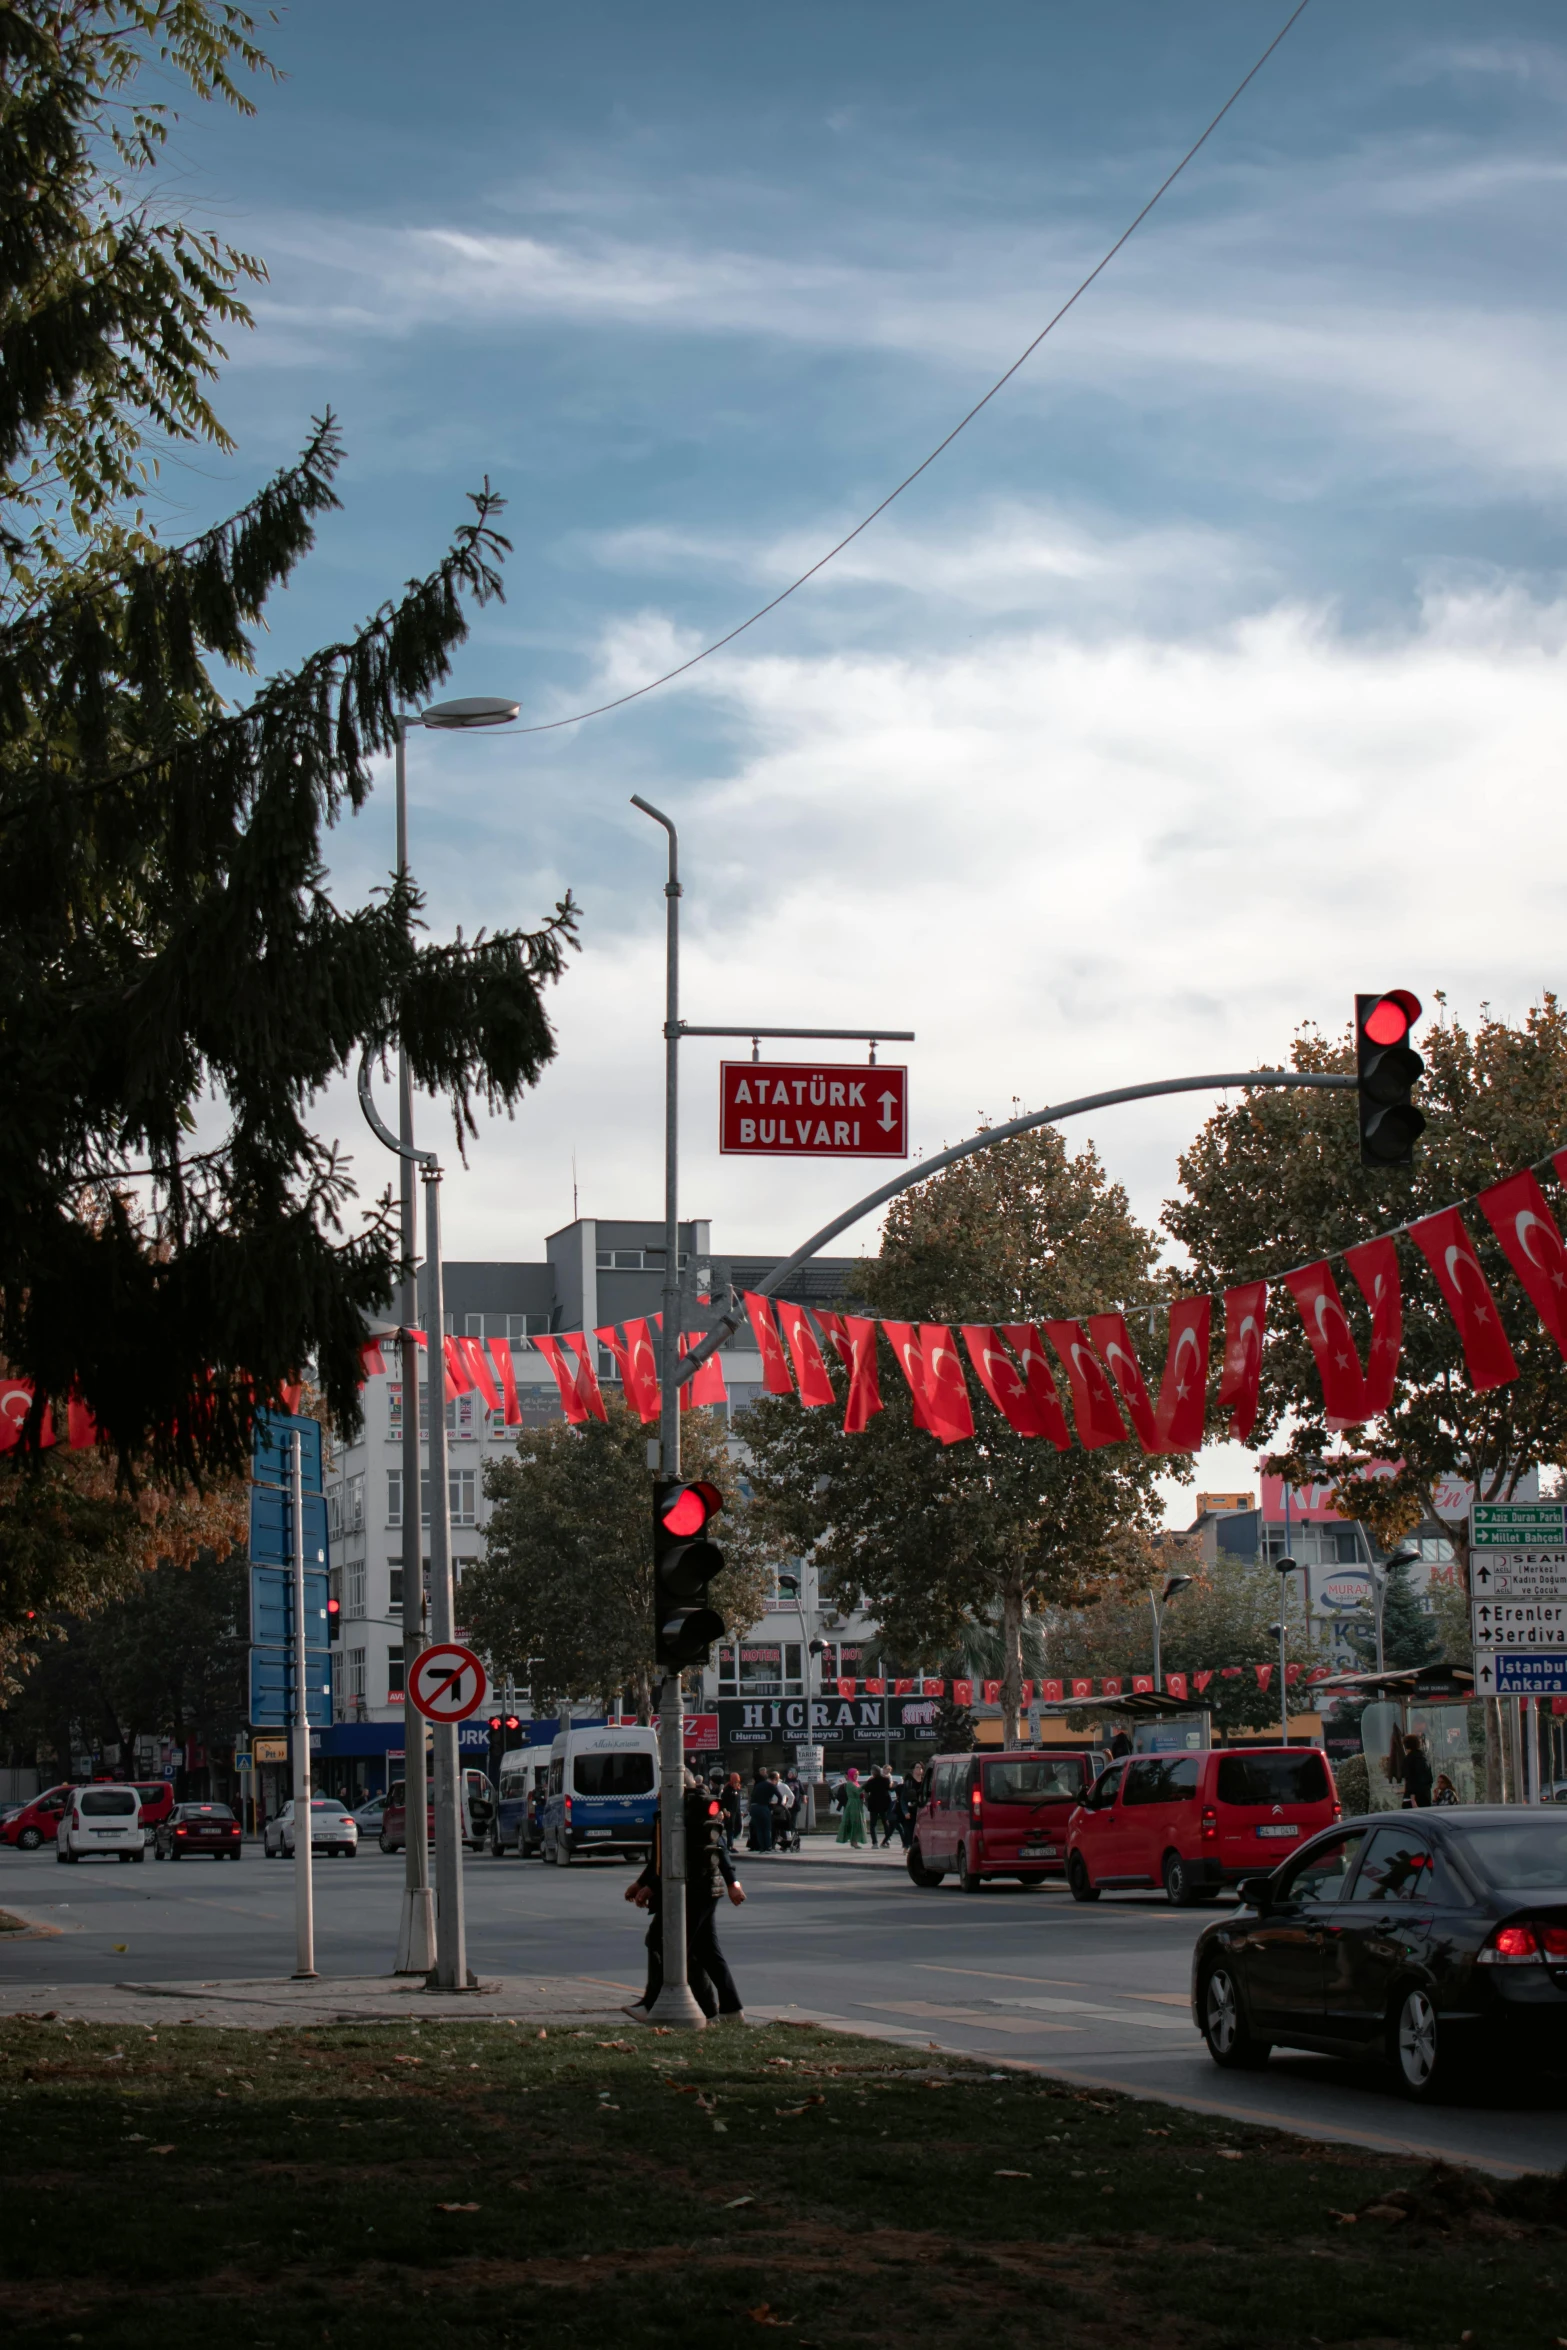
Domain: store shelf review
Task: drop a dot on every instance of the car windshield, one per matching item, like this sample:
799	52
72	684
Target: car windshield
613	1774
107	1802
1273	1778
1034	1779
1524	1856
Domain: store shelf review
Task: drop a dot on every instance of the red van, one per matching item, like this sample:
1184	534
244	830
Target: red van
1194	1822
37	1821
156	1797
998	1815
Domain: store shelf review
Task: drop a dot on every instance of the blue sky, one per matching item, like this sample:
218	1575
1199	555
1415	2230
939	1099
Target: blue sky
1213	675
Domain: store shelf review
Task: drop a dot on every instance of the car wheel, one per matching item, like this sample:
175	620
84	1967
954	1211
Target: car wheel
922	1876
1224	2024
1078	1880
140	1856
968	1879
30	1839
385	1847
1179	1890
1420	2048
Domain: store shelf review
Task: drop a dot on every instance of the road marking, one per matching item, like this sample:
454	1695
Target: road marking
988	1975
1015	2026
1104	2015
1166	1998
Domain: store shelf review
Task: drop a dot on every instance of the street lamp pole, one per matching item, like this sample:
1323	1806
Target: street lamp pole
1286	1567
1172	1584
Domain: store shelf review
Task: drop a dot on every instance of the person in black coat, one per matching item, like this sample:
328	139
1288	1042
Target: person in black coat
1417	1773
709	1874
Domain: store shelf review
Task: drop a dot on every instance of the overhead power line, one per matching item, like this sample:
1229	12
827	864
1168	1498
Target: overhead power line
550	726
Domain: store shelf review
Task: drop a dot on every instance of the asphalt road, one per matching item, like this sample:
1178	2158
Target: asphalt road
1095	1994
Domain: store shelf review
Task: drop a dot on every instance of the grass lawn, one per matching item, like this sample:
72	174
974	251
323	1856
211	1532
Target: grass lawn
478	2183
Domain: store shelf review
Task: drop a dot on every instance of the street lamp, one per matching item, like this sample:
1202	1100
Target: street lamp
416	1936
1286	1566
1172	1584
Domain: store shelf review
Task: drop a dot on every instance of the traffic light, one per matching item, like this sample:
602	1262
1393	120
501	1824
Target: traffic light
334	1619
1387	1071
684	1563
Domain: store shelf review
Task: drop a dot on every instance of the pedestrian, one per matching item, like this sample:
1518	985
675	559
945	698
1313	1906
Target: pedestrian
734	1809
709	1872
851	1828
783	1816
762	1803
1417	1773
1445	1791
878	1806
795	1785
910	1796
1121	1743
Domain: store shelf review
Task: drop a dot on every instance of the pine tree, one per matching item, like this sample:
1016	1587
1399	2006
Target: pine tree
167	942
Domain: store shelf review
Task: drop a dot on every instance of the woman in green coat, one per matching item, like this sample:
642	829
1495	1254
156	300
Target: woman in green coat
851	1828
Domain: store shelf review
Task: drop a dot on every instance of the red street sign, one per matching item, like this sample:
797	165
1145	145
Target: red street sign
447	1683
812	1109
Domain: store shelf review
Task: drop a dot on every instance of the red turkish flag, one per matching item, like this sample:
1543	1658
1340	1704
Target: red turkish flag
903	1689
1093	1398
992	1692
1183	1392
854	1342
809	1370
565	1372
1264	1675
638	1367
1245	1315
1142	1684
500	1356
1517	1214
775	1371
1375	1267
930	1688
1003	1383
587	1378
903	1338
1026	1693
457	1379
706	1383
876	1688
1039	1379
1200	1681
372	1362
1292	1674
1113	1343
16	1399
962	1692
1327	1327
80	1426
1175	1686
845	1688
1448	1250
1082	1689
946	1396
1050	1692
479	1372
1111	1687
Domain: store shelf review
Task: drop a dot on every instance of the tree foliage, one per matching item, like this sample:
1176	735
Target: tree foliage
562	1600
1275	1180
932	1538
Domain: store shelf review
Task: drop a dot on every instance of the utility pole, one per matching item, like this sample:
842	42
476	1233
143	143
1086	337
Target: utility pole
451	1944
304	1856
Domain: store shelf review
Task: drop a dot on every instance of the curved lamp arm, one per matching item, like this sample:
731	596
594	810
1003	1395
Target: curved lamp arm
382	1131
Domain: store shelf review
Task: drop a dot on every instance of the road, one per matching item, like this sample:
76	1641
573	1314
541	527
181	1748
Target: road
1097	1995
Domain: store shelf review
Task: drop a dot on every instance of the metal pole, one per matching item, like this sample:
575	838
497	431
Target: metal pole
1378	1596
451	1948
1284	1707
1158	1677
674	2004
304	1878
416	1927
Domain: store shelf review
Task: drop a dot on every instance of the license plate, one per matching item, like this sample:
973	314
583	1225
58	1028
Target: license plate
597	1831
1036	1852
1278	1831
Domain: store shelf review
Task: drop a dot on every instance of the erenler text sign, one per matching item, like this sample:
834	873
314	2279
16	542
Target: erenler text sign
809	1109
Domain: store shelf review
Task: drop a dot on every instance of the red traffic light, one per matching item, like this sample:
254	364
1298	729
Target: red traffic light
688	1509
514	1721
334	1607
1391	1017
495	1721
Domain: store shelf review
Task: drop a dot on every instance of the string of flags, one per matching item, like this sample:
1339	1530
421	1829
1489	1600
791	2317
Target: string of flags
1182	1686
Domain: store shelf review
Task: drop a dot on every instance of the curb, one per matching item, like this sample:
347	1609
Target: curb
896	1864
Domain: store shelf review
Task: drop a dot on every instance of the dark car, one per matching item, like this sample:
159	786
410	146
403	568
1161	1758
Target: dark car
1431	1940
198	1827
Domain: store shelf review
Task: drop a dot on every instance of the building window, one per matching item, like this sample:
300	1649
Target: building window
394	1497
635	1260
354	1504
354	1588
394	1409
462	1492
353	1680
452	1401
512	1326
394	1671
762	1668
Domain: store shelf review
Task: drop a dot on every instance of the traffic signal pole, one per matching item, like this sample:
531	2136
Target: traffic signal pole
304	1855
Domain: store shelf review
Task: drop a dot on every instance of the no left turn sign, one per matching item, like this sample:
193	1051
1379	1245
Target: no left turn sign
447	1683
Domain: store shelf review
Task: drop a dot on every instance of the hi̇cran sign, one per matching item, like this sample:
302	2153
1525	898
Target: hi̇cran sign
822	1110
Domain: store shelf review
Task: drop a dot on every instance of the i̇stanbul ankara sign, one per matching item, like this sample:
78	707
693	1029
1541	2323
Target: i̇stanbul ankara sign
811	1109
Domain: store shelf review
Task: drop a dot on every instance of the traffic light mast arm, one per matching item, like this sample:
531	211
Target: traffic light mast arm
730	1321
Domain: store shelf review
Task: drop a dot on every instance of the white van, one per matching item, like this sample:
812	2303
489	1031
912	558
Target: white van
603	1792
101	1821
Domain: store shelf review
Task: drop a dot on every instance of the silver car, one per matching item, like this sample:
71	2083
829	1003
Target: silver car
332	1830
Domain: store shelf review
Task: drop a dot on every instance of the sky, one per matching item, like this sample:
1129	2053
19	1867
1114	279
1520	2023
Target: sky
1215	672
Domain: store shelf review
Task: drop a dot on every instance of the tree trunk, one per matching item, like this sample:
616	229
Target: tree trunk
644	1688
1012	1655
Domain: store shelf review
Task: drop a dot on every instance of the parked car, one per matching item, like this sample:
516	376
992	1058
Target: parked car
478	1811
997	1815
1434	1940
157	1801
36	1822
101	1823
332	1830
198	1827
1196	1822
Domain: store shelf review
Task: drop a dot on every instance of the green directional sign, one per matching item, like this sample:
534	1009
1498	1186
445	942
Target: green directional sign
1517	1525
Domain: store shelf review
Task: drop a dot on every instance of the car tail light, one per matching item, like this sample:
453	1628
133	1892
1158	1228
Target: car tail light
568	1807
1210	1825
975	1799
1512	1946
182	1831
1338	1811
1553	1944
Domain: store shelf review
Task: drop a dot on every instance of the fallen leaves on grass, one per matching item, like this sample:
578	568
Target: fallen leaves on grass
790	2110
457	2207
735	2203
1019	2174
623	2045
160	2150
765	2315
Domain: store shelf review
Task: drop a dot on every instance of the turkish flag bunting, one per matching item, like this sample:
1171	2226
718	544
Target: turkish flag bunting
479	1372
1445	1244
1113	1342
290	1390
565	1372
372	1362
904	1341
1375	1267
1142	1684
775	1371
706	1383
1050	1692
846	1689
946	1396
1112	1687
1175	1686
1039	1380
936	1688
1264	1675
1292	1674
1003	1383
80	1426
962	1692
1245	1316
876	1688
1327	1327
16	1398
1082	1689
1026	1693
638	1367
500	1356
457	1379
1200	1681
809	1370
854	1342
903	1689
589	1394
992	1692
1183	1393
1517	1214
1093	1398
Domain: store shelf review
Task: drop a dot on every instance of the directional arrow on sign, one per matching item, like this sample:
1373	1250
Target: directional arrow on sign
1482	1572
889	1112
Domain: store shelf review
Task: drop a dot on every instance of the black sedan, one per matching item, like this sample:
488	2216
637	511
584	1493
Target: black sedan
198	1827
1436	1940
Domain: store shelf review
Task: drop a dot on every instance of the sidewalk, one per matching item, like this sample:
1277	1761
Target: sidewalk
822	1852
537	2002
